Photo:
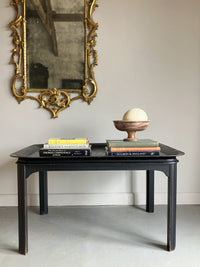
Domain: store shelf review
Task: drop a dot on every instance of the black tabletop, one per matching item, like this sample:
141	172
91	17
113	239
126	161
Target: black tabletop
98	151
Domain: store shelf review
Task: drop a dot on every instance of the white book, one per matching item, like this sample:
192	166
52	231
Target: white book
71	146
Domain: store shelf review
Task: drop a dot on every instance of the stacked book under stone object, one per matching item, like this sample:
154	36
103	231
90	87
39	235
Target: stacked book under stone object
66	147
143	147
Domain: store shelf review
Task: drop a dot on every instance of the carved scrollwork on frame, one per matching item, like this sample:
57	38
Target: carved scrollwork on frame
17	27
59	98
55	100
91	58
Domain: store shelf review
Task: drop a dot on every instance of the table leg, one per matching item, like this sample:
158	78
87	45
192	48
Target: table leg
171	220
22	209
150	191
43	188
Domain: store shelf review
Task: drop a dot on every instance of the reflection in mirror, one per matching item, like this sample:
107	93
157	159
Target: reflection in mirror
54	52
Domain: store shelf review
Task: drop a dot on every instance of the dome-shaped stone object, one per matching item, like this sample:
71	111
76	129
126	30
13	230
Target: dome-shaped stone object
135	114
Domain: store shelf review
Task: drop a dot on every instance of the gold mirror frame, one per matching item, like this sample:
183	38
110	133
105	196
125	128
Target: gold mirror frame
54	100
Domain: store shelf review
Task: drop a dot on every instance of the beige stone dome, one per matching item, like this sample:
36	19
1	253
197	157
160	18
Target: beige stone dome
135	114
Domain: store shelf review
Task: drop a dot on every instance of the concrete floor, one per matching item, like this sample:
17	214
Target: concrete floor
101	236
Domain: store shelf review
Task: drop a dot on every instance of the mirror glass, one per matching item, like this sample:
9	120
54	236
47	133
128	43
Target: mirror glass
54	52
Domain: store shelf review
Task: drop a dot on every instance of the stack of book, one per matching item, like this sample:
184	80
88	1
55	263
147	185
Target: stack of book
143	147
57	147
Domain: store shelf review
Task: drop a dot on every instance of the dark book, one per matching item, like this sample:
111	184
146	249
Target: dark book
140	143
133	153
64	152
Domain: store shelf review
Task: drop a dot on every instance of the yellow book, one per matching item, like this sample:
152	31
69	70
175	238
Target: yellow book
74	141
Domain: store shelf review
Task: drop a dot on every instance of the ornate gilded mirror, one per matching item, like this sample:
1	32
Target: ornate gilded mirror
54	52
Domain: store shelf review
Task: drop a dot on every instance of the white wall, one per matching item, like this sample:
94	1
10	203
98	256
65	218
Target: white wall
149	57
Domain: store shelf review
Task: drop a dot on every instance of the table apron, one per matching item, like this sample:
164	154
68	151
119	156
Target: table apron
97	166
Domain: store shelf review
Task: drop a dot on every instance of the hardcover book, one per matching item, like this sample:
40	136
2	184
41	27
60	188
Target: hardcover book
140	143
134	149
64	152
132	153
67	146
60	141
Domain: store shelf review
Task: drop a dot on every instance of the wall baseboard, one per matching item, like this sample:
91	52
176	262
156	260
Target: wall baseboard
101	199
